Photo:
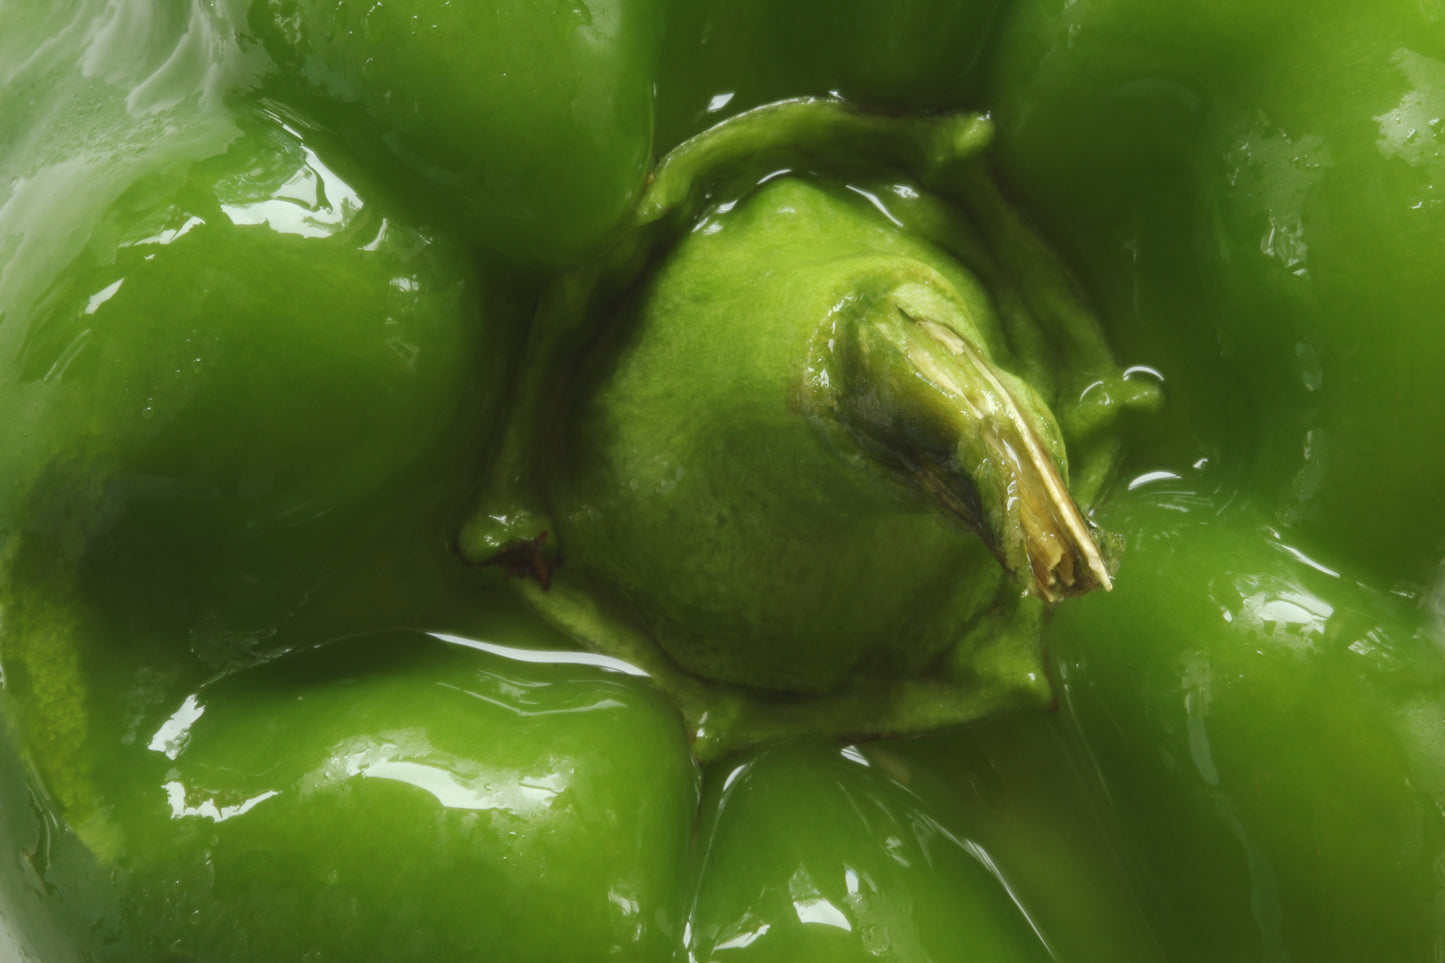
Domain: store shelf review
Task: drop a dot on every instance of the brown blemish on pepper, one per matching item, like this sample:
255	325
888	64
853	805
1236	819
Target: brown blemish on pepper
524	559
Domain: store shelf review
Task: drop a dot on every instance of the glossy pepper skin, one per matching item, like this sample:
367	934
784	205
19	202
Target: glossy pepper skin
1283	210
258	709
526	126
1275	226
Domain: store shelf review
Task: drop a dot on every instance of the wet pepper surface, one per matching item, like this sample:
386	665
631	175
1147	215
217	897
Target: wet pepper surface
721	481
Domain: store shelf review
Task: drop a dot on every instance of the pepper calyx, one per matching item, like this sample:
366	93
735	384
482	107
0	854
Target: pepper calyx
922	396
828	380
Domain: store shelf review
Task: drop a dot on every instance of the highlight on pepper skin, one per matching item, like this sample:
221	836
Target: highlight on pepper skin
657	467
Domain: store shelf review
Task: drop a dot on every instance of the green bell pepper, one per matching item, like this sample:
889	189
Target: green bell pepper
682	482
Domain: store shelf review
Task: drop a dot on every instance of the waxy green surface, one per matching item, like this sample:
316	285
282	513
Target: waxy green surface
1245	761
526	126
1254	189
1273	757
711	385
891	323
394	792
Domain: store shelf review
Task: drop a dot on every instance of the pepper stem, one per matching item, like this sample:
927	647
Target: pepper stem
978	441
